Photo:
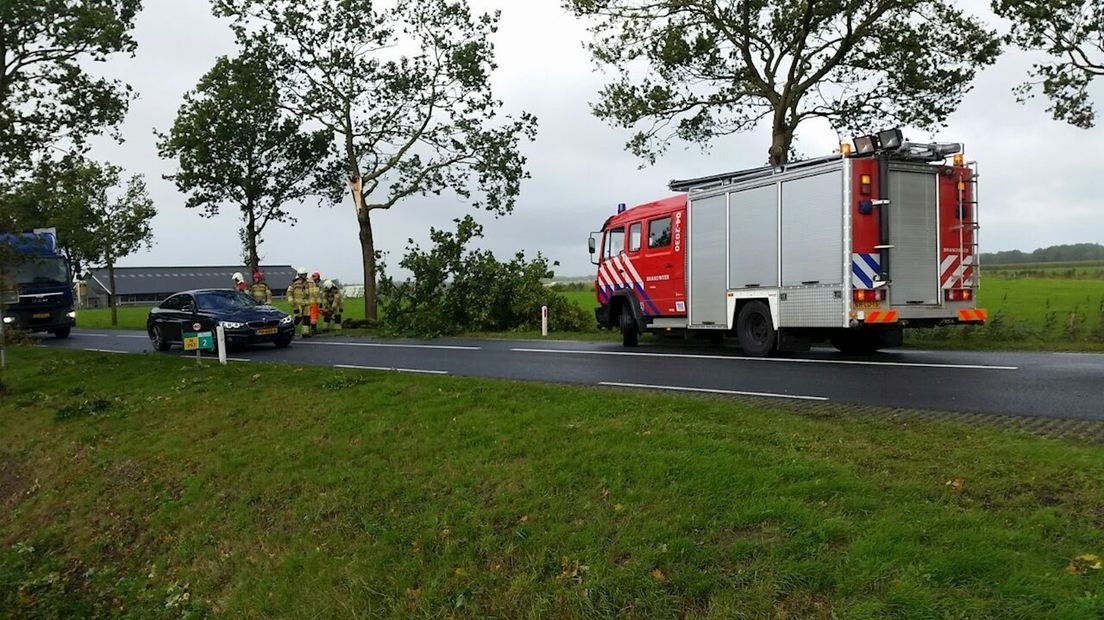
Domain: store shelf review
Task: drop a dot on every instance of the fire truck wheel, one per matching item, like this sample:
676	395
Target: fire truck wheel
755	330
630	337
856	343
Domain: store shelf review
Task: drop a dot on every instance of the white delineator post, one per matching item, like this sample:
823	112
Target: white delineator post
3	351
544	321
220	335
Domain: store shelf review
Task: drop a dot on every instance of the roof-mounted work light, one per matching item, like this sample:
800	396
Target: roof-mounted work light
890	139
865	145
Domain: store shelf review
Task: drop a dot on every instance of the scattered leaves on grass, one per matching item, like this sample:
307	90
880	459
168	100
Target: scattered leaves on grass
572	570
956	485
87	407
339	383
1084	563
618	507
658	575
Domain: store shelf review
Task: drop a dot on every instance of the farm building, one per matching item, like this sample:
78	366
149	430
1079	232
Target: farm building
149	285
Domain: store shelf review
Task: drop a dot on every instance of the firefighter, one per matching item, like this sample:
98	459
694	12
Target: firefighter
333	304
298	297
260	291
314	300
239	282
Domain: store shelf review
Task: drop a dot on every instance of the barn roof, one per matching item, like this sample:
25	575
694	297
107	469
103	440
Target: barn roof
168	280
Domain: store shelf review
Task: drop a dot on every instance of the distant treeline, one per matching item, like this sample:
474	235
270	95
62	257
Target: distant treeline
1053	254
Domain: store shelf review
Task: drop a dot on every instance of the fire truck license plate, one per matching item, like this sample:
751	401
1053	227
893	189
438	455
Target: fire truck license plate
267	331
868	305
40	315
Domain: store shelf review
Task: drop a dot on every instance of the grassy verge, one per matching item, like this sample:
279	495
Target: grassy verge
144	487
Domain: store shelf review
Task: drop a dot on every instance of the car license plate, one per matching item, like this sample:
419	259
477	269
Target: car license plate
267	331
40	315
867	305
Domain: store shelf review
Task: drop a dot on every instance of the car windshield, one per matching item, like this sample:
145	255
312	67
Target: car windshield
225	300
52	270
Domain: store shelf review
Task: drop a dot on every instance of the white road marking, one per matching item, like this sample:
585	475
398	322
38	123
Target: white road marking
104	351
386	369
89	335
388	345
677	388
783	360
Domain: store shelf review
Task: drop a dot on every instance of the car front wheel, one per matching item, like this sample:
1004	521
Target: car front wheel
157	339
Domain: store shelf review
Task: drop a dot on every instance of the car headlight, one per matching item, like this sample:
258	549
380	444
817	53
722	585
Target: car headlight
8	320
71	314
231	325
286	320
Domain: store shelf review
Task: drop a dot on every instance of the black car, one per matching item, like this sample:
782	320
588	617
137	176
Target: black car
244	320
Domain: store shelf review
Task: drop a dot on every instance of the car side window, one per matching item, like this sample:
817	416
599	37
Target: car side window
187	304
172	303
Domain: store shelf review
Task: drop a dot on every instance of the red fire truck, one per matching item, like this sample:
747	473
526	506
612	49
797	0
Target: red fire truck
849	248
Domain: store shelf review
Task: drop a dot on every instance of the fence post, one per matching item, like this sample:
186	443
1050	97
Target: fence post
544	321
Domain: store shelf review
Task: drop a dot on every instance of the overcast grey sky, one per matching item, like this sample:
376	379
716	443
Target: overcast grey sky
1041	179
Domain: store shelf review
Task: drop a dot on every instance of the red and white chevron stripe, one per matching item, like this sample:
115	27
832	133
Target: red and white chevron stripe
954	273
618	272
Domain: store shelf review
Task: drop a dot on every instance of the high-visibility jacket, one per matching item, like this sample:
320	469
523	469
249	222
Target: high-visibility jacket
314	294
333	302
297	295
261	293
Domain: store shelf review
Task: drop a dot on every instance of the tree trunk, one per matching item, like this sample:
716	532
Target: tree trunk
781	139
251	243
112	299
368	257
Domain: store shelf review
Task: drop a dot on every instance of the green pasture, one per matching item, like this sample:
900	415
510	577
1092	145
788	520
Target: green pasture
145	487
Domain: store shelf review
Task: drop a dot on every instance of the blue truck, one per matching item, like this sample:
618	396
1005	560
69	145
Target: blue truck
41	276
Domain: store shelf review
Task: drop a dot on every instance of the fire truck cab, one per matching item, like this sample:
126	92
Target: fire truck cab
851	248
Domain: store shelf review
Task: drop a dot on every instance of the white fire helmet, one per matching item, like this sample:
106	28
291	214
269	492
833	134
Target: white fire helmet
328	284
301	271
238	277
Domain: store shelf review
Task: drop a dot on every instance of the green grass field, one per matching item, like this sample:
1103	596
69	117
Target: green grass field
143	487
1075	269
1049	314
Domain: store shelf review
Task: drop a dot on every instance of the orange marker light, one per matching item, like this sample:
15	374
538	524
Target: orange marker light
959	160
845	149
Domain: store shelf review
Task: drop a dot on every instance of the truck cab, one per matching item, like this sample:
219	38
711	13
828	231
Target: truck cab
642	265
43	285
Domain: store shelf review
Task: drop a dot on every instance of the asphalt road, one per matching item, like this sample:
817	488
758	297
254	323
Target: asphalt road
1034	384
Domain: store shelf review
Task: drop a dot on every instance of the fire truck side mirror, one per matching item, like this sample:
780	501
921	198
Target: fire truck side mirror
591	245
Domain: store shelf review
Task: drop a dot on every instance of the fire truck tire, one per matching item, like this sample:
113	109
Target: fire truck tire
630	336
856	343
755	330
